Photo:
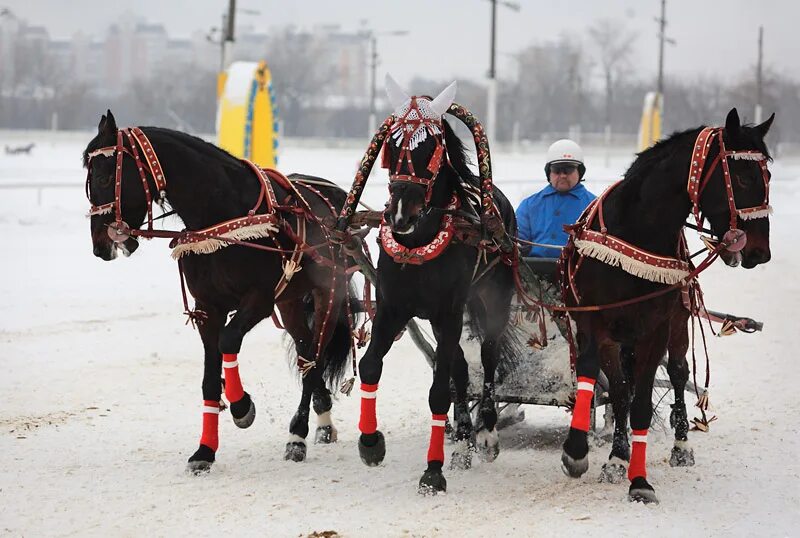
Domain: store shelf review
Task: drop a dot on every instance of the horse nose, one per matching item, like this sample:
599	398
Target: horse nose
97	251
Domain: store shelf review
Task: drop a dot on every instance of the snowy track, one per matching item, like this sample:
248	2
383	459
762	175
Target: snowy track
101	406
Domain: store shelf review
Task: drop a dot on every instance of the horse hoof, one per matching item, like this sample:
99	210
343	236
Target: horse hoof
488	444
574	467
372	448
200	462
681	457
614	471
432	482
642	492
295	451
243	412
462	456
326	435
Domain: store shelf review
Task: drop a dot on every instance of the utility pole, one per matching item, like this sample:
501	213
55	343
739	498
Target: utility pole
759	75
662	24
228	26
491	94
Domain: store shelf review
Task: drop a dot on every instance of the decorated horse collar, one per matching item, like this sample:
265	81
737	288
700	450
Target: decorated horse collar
420	255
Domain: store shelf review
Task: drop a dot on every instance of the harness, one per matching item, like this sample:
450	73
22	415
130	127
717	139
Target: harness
238	231
600	245
413	125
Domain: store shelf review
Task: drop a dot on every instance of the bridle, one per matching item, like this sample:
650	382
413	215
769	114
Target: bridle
119	230
735	237
415	122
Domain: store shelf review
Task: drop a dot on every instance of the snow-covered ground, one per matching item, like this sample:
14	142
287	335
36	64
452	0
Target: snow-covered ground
102	398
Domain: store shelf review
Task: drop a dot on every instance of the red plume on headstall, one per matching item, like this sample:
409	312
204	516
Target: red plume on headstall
386	154
436	159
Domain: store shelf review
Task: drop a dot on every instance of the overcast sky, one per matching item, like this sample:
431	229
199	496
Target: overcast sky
450	38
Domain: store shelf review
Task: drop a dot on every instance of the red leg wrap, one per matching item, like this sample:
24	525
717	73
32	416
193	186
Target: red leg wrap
582	411
368	423
233	384
436	445
638	463
210	436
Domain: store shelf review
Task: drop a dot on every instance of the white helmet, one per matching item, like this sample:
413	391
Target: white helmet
565	151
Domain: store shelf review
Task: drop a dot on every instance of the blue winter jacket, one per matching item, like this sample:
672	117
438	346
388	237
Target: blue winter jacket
541	217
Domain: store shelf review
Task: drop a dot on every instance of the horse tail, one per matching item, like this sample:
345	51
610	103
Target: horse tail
339	348
511	341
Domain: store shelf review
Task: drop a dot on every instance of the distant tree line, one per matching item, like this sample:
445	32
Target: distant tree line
559	86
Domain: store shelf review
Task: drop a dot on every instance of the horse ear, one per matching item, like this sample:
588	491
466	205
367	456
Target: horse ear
732	122
107	125
111	123
397	97
763	128
442	102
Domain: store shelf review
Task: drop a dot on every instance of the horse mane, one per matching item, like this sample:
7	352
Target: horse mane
459	156
674	147
193	142
662	151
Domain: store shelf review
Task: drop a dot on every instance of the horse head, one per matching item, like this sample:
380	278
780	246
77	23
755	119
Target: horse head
735	199
103	159
415	153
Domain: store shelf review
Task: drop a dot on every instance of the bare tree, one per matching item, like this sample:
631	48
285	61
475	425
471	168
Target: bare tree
614	44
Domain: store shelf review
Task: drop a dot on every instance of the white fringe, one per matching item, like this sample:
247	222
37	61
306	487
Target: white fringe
103	211
207	246
747	156
760	214
629	265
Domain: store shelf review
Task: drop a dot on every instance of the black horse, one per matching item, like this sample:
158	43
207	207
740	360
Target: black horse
207	186
728	184
422	273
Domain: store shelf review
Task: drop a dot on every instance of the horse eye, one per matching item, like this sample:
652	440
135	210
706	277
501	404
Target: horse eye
105	180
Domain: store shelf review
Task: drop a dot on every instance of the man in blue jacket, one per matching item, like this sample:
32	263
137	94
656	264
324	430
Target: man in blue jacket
541	216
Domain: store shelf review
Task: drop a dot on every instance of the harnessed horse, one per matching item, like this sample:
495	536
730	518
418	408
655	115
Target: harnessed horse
626	264
427	269
254	240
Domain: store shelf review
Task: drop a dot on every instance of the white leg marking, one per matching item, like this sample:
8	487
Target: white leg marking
324	419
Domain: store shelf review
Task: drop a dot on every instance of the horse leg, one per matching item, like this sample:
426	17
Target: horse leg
294	319
494	313
254	307
449	329
463	435
614	470
204	456
575	453
678	370
327	304
322	403
386	325
648	354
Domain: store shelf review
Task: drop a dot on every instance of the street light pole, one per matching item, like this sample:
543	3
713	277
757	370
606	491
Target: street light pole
373	68
491	94
759	75
373	54
228	26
